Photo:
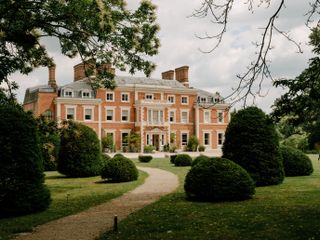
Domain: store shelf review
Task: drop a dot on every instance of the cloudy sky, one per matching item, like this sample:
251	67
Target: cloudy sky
215	71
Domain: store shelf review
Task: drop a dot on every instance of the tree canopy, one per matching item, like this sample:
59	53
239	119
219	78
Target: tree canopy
98	30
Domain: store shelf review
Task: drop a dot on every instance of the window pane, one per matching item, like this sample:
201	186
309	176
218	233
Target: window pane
88	114
109	115
125	115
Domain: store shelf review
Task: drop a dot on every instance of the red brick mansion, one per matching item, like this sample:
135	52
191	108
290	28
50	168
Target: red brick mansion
154	108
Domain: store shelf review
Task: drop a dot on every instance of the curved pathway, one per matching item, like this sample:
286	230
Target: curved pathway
91	223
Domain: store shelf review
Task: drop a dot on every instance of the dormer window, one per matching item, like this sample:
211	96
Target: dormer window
149	96
68	93
203	99
85	94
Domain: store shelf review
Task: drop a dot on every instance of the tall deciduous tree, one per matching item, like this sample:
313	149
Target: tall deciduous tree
100	30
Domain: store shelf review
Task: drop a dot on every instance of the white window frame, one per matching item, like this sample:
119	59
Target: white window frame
184	111
209	116
123	94
174	116
182	133
74	110
121	132
68	90
84	113
218	118
186	103
148	94
125	109
203	99
150	116
113	114
112	94
204	139
85	91
173	97
223	137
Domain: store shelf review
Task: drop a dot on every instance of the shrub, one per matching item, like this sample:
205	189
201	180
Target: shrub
295	162
145	158
104	159
192	144
252	142
118	154
22	189
172	158
218	179
201	148
148	148
182	160
107	143
80	154
172	148
298	141
199	159
119	169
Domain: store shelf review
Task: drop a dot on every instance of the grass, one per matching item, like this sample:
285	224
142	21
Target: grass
69	195
288	211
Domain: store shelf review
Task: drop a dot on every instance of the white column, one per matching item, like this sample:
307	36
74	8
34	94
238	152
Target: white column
197	121
58	113
141	129
99	121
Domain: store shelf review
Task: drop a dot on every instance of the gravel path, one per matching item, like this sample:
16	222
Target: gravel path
91	223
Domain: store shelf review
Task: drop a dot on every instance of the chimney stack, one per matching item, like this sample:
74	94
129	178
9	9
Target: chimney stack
182	75
81	68
168	75
52	76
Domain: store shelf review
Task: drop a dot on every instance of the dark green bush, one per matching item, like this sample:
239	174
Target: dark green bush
218	179
119	169
252	142
118	154
145	158
22	189
172	158
80	154
199	159
295	162
182	160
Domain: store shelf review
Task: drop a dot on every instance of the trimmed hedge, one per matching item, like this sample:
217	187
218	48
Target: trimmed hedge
80	154
172	158
199	159
182	160
218	179
22	189
119	169
118	154
252	142
145	158
295	162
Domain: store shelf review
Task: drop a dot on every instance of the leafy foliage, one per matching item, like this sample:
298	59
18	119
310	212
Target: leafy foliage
199	159
148	148
107	143
145	158
119	169
22	189
192	144
182	160
295	162
201	148
251	141
103	31
49	142
80	151
173	158
218	179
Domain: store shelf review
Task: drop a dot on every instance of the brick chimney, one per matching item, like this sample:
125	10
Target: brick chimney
182	75
52	76
81	68
168	75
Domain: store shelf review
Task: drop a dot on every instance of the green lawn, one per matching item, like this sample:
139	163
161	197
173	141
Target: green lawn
287	211
70	195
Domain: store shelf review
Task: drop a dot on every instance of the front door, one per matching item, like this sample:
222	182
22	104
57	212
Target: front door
155	141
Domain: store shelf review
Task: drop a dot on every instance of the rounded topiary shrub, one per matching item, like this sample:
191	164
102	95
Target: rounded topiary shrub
252	142
295	162
199	159
145	158
218	179
22	189
118	154
80	154
182	160
119	169
173	158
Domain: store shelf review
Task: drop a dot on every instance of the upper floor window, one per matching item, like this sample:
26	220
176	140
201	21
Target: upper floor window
172	116
124	97
70	113
203	99
86	94
68	93
149	96
109	97
184	100
125	115
155	116
184	117
220	117
109	114
88	114
207	117
171	99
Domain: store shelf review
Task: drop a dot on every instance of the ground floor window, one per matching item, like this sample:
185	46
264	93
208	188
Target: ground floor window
206	139
184	139
220	138
124	139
